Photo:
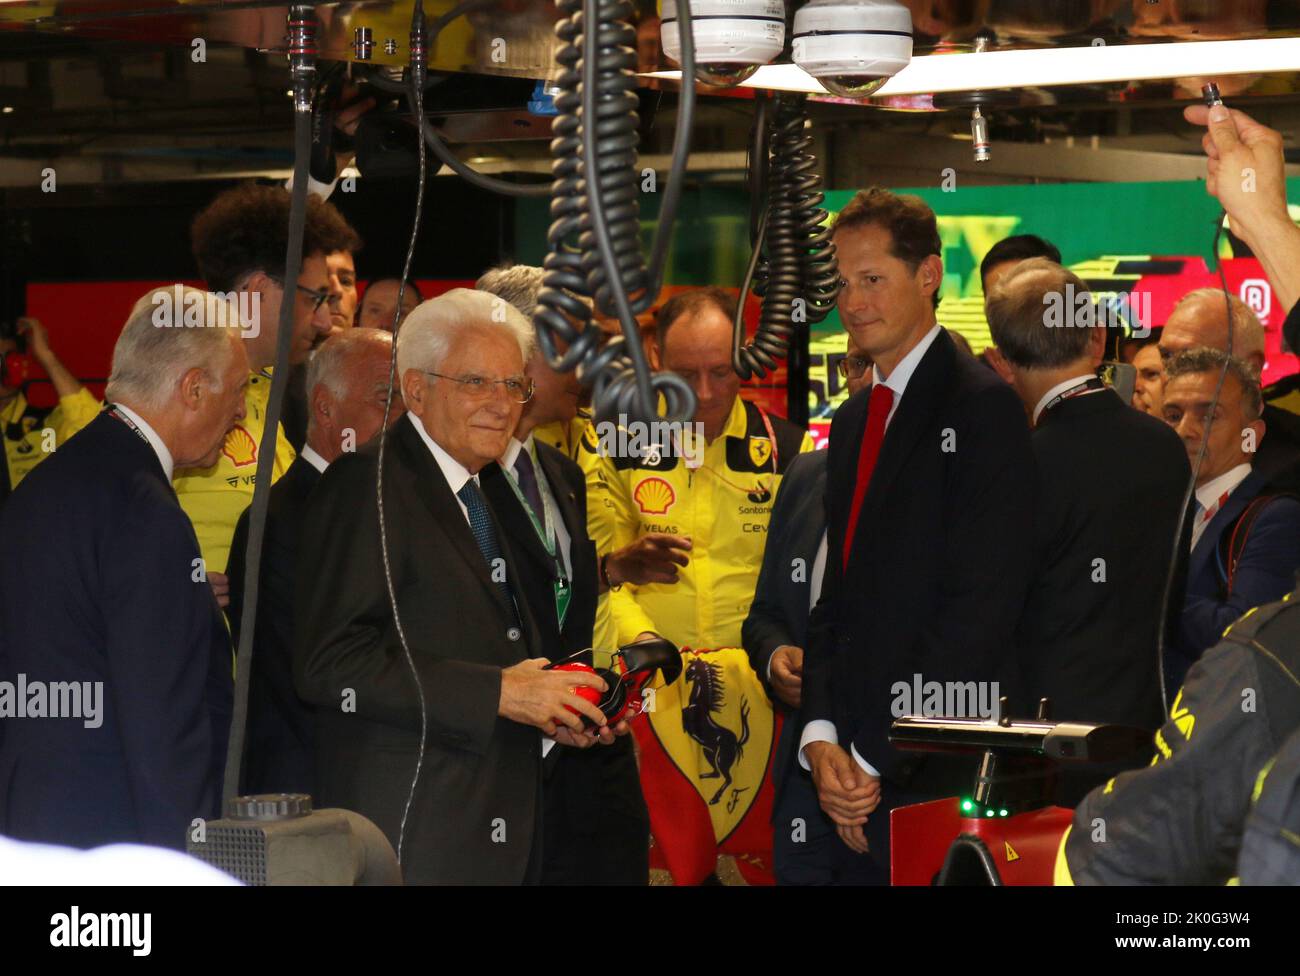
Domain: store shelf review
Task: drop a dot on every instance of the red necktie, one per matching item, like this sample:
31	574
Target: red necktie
882	399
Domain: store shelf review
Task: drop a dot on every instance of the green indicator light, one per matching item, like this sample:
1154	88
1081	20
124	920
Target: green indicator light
1004	813
988	813
966	804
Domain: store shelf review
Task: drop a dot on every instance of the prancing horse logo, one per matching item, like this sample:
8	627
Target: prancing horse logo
722	748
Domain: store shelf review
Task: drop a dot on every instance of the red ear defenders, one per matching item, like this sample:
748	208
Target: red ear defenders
635	666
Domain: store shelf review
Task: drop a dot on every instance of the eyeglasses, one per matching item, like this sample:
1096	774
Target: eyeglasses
853	367
518	388
318	296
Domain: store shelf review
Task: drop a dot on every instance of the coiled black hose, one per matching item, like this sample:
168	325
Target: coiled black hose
794	261
594	246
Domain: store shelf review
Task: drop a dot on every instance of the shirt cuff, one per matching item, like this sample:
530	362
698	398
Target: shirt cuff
547	746
870	769
818	730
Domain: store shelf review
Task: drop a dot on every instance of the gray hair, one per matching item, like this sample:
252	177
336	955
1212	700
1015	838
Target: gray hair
1015	309
329	364
170	331
519	284
1247	330
1205	360
427	335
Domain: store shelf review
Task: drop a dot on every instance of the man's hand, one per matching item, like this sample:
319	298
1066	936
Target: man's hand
220	584
787	674
605	735
844	789
653	558
1247	172
539	698
855	838
38	340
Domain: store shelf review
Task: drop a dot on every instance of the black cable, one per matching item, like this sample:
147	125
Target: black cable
302	54
1190	490
415	98
594	238
798	259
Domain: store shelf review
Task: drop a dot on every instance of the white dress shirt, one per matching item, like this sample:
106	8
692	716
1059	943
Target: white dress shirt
1058	389
151	435
309	454
1208	495
822	730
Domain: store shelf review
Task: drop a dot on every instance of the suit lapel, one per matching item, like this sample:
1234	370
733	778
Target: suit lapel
566	500
430	486
508	508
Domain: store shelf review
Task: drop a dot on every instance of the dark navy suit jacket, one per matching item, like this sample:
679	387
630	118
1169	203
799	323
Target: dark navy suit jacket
779	613
280	754
98	584
1265	572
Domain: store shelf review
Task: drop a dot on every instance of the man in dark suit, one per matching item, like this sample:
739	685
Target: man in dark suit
1110	488
347	384
595	826
930	514
775	634
1200	319
453	711
103	594
1245	543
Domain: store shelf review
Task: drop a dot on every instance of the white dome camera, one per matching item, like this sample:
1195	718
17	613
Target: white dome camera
733	38
852	46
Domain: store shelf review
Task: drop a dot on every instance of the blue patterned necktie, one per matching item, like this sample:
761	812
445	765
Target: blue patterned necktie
480	523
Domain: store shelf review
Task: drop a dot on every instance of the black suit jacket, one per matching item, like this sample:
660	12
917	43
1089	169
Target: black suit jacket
779	613
475	807
940	561
98	584
279	745
596	826
1110	487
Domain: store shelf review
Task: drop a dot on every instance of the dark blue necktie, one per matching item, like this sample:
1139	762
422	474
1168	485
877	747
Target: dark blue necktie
480	523
528	482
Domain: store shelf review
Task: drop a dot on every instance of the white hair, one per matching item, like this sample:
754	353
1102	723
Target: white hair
426	336
1247	330
519	284
331	362
170	331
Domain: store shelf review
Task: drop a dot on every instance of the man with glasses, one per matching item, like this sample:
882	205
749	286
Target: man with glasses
596	827
483	709
239	243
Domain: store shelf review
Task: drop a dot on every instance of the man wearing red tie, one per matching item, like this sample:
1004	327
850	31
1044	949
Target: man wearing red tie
930	513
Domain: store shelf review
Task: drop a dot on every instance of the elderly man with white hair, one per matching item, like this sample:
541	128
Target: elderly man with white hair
434	729
346	392
115	680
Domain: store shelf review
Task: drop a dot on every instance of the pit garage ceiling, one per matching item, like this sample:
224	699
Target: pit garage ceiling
113	90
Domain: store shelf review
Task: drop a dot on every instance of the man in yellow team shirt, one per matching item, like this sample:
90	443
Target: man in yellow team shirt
689	524
30	433
239	243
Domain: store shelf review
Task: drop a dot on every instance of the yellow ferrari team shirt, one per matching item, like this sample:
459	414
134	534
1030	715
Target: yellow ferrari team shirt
215	497
31	435
719	497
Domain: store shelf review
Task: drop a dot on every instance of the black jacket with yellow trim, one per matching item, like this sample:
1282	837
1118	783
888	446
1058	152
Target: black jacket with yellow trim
1180	820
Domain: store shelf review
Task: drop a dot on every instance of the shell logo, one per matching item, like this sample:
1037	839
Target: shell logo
654	496
240	447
